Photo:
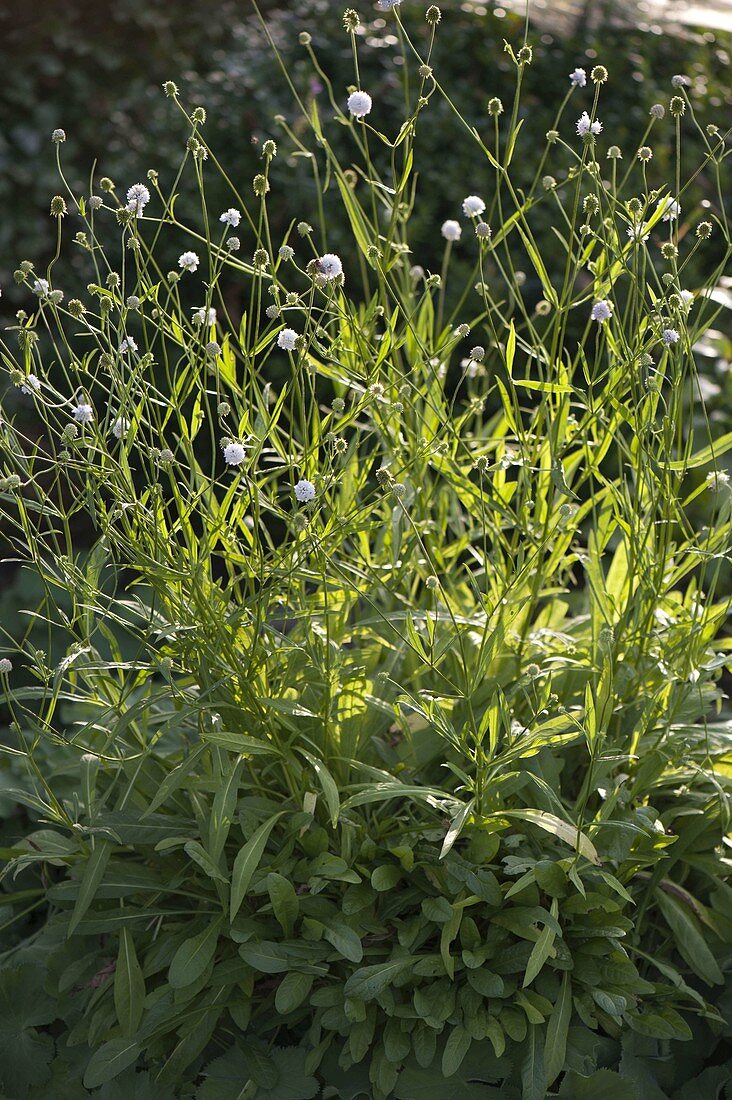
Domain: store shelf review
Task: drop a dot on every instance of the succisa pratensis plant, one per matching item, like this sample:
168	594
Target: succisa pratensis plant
392	662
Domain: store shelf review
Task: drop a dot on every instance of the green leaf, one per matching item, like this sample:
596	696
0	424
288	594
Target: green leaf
602	1085
543	948
328	783
486	983
93	875
194	955
247	861
345	941
268	957
689	938
200	856
129	985
292	991
456	1047
570	834
109	1060
385	877
284	901
557	1030
25	1054
532	1067
369	981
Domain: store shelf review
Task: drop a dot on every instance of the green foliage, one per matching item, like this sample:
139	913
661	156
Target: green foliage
385	754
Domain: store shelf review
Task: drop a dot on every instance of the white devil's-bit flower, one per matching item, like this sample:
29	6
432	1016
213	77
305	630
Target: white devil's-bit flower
602	311
83	413
41	287
120	427
138	197
304	491
473	205
189	261
6	666
578	78
359	104
636	233
451	230
287	339
329	266
31	385
231	217
671	208
203	316
234	454
128	344
670	336
586	126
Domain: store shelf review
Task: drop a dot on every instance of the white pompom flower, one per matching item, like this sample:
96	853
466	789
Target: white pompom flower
473	205
138	197
586	126
602	311
451	230
231	217
189	261
83	413
304	491
329	266
203	316
120	427
128	344
287	339
234	454
359	104
578	78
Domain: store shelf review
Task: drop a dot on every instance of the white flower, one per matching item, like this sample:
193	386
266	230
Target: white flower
671	208
128	344
83	414
635	232
231	217
41	287
31	384
304	491
585	125
234	454
714	481
687	298
329	266
670	336
473	205
602	311
203	316
6	666
188	261
451	230
387	5
578	78
286	253
120	427
287	339
359	104
138	197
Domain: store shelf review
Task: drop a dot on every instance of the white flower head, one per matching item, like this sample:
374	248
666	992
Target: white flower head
388	5
636	232
359	104
231	217
329	266
304	491
578	78
473	205
83	413
717	480
41	287
287	339
670	336
128	344
138	197
451	230
120	427
687	298
6	666
602	311
188	261
203	316
671	208
31	385
586	126
234	454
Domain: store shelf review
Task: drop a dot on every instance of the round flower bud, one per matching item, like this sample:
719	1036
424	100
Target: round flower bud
548	183
304	38
58	207
56	297
213	350
677	106
223	408
432	582
199	115
433	15
233	244
304	229
170	88
106	184
351	21
704	230
495	107
552	136
6	665
76	308
669	251
614	153
657	110
58	136
425	71
260	185
269	149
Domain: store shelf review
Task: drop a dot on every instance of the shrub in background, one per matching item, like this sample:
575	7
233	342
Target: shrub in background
385	756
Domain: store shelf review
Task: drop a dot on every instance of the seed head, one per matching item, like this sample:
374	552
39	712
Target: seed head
76	308
645	153
233	244
269	149
677	106
598	74
704	230
304	229
170	88
58	137
6	665
548	183
58	207
525	55
495	107
433	15
199	115
432	582
483	231
425	71
351	20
